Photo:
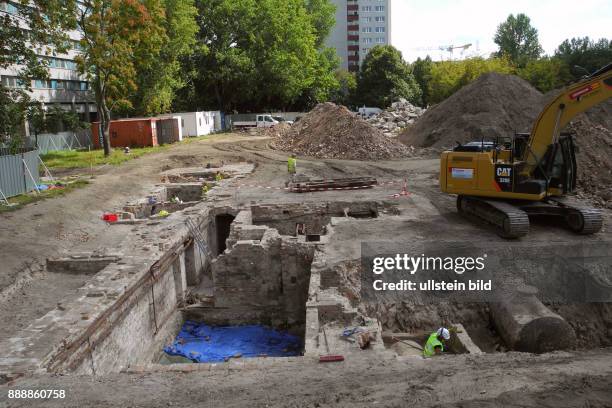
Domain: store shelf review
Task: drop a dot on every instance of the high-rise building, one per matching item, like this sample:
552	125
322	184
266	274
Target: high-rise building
360	25
65	87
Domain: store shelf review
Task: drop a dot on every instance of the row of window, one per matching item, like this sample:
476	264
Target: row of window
376	30
370	8
378	19
15	82
369	40
61	63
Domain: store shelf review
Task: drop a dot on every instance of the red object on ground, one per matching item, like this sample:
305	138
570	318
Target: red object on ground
331	359
110	217
134	132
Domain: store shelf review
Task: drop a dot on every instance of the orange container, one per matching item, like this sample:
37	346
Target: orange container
136	132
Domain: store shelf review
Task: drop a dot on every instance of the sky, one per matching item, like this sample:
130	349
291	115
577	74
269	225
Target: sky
425	24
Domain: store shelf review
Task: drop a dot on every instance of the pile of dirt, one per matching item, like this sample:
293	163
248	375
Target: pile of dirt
330	131
491	106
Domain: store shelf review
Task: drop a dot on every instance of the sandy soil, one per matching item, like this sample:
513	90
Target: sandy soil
72	223
493	380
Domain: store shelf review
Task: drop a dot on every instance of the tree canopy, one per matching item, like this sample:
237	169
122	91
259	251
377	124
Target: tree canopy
385	77
118	36
518	40
262	54
584	55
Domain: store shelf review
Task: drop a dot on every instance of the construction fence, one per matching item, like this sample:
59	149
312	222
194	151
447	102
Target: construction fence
19	172
48	142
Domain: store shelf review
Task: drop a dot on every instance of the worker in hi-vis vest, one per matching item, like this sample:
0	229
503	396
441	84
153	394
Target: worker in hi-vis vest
292	165
435	342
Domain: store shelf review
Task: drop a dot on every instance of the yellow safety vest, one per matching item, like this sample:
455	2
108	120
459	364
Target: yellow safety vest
432	343
291	165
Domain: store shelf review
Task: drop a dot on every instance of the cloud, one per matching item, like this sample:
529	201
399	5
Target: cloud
418	24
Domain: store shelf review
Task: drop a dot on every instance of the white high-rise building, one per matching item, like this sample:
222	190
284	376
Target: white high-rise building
360	25
65	87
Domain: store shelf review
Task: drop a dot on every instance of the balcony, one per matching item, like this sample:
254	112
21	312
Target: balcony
354	27
352	7
354	58
353	48
352	38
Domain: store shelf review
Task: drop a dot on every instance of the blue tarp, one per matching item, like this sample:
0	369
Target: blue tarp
202	343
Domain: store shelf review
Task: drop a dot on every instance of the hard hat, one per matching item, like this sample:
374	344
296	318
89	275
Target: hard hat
444	333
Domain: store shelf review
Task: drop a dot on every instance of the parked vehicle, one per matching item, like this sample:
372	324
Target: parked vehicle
366	112
281	119
258	121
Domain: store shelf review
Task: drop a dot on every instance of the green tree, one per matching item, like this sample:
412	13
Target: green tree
421	70
384	77
260	55
447	77
323	17
583	55
345	93
117	37
47	24
546	73
518	40
158	80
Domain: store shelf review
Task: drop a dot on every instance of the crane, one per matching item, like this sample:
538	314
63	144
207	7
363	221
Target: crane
449	48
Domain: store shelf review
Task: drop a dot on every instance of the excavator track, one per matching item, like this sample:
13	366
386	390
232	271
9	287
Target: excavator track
582	220
511	222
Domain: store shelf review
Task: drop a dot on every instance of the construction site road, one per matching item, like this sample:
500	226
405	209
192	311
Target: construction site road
492	380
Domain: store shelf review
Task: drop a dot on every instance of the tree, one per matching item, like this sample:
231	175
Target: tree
583	55
345	93
421	70
158	80
47	23
447	77
117	37
546	73
261	55
518	40
384	78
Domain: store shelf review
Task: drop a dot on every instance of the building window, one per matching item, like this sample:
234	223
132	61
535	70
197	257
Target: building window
380	40
366	8
380	19
367	41
12	82
380	29
367	19
9	8
379	8
366	29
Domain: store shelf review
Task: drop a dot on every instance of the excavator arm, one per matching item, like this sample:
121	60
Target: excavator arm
572	101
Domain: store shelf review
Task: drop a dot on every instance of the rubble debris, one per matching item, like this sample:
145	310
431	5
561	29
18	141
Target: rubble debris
333	132
333	184
395	119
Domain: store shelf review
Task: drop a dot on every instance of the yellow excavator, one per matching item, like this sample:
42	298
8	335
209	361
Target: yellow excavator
505	181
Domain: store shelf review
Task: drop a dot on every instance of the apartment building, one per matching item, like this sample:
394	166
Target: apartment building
360	25
65	87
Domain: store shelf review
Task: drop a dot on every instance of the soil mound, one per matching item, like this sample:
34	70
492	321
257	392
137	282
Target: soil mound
330	131
491	106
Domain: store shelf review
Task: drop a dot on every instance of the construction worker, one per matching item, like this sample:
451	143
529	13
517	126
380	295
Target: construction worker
218	176
292	165
435	342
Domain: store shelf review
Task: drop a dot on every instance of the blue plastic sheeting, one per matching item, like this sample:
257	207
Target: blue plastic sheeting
202	343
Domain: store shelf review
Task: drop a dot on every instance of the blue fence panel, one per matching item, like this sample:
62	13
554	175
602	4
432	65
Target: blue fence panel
14	178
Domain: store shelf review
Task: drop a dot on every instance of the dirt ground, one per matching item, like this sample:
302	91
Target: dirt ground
72	223
493	380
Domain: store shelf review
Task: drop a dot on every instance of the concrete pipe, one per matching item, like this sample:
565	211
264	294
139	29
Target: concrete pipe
525	324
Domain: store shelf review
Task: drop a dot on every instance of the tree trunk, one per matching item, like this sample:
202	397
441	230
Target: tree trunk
104	116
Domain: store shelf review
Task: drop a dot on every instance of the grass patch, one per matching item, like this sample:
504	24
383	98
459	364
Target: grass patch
25	199
70	159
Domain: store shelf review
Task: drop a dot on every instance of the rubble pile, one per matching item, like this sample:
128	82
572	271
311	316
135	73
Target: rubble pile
395	119
330	131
